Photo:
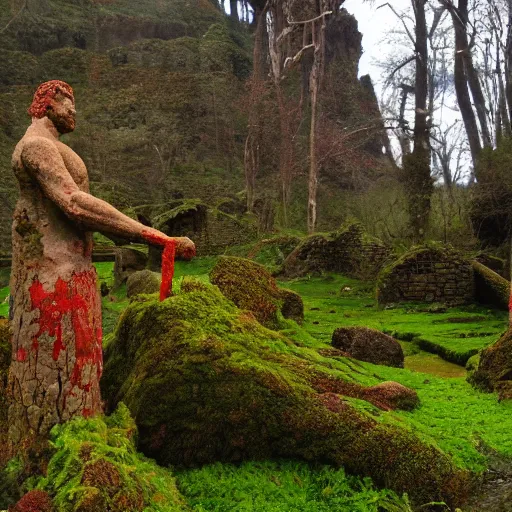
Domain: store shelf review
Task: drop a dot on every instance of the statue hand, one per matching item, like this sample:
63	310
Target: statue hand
185	248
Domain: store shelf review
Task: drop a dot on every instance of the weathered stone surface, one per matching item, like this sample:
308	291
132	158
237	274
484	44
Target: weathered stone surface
427	274
127	262
349	251
143	281
56	358
292	307
369	345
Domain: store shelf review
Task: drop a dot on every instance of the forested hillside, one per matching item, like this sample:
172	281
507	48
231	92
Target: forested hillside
163	92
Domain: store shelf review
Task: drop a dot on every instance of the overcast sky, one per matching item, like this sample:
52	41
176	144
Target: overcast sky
373	24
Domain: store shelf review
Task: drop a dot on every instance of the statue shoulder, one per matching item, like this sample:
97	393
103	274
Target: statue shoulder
36	151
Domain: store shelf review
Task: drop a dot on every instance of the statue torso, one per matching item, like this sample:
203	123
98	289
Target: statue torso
44	238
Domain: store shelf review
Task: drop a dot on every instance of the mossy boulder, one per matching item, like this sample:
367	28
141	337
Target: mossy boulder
490	287
95	468
349	251
429	273
293	306
369	345
494	371
250	286
205	382
143	281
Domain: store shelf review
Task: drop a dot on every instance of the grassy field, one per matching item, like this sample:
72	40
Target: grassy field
461	421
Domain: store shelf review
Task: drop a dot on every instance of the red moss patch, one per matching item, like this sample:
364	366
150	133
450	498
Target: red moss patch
34	501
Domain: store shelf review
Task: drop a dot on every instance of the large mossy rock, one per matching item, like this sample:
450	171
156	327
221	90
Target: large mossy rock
490	287
429	273
349	251
369	345
494	371
250	286
205	382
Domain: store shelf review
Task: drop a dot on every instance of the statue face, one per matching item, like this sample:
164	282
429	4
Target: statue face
62	113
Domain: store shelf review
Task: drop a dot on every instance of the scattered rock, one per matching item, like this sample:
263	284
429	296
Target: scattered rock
292	307
369	345
392	395
127	262
494	371
143	281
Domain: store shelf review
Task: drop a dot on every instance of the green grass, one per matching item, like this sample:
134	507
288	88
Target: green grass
283	486
336	301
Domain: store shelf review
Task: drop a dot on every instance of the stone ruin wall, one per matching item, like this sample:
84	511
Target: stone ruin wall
428	277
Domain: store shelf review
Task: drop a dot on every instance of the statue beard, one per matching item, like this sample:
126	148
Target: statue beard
64	124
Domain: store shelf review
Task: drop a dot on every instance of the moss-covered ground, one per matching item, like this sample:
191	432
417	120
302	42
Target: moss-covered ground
452	414
466	424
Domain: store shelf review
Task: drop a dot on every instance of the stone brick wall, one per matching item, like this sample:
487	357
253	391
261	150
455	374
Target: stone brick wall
349	251
427	275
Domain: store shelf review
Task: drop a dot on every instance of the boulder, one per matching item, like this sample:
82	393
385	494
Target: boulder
206	382
494	371
490	287
293	306
392	395
127	262
250	286
143	281
369	345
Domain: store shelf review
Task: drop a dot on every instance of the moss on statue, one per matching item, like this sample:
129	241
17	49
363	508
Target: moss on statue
206	382
250	286
95	468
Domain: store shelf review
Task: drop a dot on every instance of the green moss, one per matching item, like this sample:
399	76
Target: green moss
227	389
284	486
95	464
249	286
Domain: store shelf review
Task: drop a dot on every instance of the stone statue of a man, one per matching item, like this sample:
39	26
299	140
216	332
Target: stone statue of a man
56	315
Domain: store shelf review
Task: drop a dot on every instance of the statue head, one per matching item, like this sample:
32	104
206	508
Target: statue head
55	100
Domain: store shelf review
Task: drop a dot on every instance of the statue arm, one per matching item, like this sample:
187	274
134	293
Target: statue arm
43	161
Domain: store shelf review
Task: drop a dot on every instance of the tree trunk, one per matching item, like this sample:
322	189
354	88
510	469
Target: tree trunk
461	88
417	165
253	141
472	74
233	7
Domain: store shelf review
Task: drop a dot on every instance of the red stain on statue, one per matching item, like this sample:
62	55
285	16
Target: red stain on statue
167	269
167	260
78	299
